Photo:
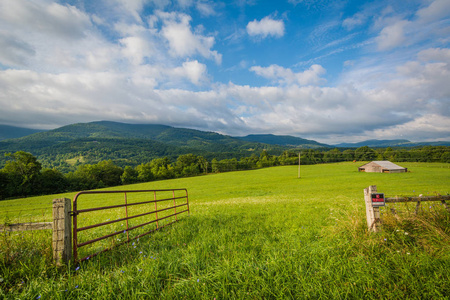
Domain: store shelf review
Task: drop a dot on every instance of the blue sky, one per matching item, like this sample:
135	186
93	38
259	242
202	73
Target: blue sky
333	71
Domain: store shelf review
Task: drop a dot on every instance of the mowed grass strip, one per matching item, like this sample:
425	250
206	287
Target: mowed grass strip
258	234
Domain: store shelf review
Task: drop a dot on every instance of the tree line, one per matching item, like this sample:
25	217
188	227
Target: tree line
23	175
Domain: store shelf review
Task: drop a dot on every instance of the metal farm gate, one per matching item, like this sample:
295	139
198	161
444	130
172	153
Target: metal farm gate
133	215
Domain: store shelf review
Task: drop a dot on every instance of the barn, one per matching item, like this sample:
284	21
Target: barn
383	166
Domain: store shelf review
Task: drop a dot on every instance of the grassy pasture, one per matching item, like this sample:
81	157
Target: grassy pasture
252	235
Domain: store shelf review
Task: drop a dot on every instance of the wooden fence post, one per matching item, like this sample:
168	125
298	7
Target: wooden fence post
62	231
372	213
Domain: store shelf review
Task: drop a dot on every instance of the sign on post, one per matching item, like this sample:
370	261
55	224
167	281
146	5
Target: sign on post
377	199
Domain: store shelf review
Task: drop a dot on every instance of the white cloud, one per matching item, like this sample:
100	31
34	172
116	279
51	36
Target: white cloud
392	36
48	36
355	21
287	76
437	10
195	71
182	41
205	8
429	127
412	104
132	7
266	27
135	49
14	51
64	22
63	65
397	30
435	54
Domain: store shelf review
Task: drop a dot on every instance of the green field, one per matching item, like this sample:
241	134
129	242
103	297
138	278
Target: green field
255	235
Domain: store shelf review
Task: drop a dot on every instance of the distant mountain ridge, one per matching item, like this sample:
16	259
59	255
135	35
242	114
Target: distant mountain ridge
282	140
127	144
390	143
12	132
173	136
373	143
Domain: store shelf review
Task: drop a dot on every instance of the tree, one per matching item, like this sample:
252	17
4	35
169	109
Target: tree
215	166
103	174
445	157
52	182
349	155
129	175
365	153
187	165
162	169
333	156
23	172
389	154
4	183
145	172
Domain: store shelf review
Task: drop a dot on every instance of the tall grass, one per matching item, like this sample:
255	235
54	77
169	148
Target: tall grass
260	234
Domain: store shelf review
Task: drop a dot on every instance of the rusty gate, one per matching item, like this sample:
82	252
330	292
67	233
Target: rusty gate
121	215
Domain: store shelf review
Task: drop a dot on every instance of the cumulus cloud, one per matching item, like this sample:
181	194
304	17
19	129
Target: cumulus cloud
62	21
182	41
265	28
14	50
135	49
392	36
44	35
429	127
238	109
59	67
287	76
133	7
396	31
435	54
437	10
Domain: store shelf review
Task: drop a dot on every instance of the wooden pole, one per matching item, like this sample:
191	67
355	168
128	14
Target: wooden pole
299	163
62	231
372	213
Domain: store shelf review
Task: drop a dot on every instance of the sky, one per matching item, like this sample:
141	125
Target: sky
332	71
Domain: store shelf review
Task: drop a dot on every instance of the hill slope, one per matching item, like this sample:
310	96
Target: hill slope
180	137
282	140
127	144
12	132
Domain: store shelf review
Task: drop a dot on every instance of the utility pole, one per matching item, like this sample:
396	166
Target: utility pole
299	163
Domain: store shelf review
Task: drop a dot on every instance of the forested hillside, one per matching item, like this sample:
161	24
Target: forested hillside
282	140
12	132
130	145
126	144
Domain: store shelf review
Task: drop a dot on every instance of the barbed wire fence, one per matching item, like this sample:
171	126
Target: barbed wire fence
25	212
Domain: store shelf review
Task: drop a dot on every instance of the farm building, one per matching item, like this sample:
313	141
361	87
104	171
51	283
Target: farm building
383	166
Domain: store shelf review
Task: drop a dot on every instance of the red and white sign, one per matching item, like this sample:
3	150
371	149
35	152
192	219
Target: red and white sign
378	199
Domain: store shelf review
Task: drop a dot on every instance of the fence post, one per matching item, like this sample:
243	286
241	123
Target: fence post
62	231
372	213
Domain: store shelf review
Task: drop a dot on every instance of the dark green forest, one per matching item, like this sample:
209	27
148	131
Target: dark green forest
68	147
24	175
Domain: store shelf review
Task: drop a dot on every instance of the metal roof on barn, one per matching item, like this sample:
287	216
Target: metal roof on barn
385	164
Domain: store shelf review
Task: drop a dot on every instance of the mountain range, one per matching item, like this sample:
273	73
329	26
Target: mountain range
11	132
128	144
134	143
179	136
390	143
